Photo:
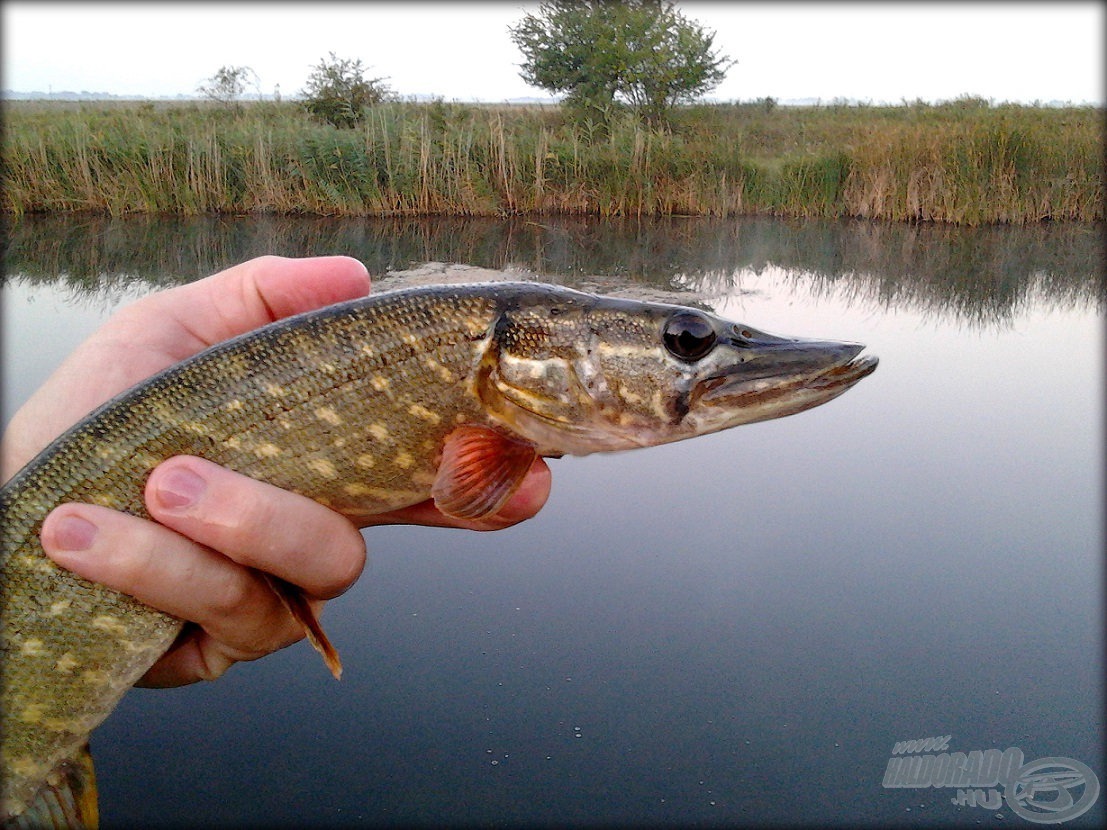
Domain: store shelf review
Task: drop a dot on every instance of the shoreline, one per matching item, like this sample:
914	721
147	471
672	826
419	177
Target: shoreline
965	162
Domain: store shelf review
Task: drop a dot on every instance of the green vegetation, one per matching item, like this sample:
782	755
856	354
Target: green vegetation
227	84
338	93
602	54
963	162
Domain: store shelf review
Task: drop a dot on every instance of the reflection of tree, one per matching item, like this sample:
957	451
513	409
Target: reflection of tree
974	274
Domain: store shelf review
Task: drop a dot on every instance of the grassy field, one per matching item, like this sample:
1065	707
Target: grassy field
963	162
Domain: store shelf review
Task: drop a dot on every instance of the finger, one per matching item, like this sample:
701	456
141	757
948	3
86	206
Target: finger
163	569
523	504
195	655
257	524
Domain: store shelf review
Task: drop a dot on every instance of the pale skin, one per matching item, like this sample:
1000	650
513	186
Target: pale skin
214	532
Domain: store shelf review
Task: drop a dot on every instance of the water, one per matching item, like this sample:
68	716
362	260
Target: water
732	630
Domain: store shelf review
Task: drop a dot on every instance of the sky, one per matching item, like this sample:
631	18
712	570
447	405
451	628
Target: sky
872	52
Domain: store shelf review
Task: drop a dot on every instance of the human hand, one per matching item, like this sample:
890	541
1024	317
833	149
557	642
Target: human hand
216	533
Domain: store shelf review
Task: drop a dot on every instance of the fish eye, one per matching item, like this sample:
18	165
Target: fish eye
688	336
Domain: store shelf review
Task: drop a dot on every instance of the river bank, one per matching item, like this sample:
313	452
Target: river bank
963	162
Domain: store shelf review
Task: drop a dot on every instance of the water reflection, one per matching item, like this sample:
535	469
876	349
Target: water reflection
976	275
742	626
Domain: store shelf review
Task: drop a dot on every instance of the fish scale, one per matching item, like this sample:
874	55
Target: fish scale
447	392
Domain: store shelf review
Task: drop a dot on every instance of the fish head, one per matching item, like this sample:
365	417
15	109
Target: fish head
576	373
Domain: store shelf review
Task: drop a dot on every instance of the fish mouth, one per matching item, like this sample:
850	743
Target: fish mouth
788	379
845	374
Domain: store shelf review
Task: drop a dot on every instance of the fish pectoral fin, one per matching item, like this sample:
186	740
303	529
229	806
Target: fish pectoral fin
480	470
297	605
67	799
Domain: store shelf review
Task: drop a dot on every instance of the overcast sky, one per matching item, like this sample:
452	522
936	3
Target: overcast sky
461	50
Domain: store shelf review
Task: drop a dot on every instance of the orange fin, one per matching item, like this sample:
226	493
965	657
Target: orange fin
479	471
66	800
297	605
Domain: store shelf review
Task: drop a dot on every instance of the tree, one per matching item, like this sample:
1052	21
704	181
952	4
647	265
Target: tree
638	52
226	85
338	92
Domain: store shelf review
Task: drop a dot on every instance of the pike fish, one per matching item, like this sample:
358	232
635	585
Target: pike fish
443	392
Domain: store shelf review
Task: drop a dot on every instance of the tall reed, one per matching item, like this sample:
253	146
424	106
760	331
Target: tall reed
951	163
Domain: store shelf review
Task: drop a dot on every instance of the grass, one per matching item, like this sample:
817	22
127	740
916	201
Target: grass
964	162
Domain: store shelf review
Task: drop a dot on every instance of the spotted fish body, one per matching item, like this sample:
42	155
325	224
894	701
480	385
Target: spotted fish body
445	392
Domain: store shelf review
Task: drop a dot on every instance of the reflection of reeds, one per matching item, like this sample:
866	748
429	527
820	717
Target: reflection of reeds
973	274
963	162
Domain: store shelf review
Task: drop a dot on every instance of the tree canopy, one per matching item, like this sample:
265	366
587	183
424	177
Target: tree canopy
338	92
227	84
643	53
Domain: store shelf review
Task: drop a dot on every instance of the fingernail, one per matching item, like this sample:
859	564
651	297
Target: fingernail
179	488
72	533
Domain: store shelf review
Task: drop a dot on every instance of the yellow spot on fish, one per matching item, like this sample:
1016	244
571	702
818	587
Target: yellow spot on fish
197	427
403	460
387	496
378	431
66	663
379	382
96	677
28	766
33	647
355	488
439	370
75	725
326	413
629	396
324	467
233	442
106	622
275	389
59	607
659	405
32	713
420	411
267	450
105	500
366	461
233	406
37	563
626	419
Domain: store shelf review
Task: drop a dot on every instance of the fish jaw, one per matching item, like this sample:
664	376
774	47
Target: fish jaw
760	376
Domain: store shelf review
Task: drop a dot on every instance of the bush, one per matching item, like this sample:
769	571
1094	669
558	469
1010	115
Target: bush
338	92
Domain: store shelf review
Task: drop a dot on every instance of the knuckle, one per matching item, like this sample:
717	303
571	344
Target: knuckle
232	596
246	620
347	560
281	532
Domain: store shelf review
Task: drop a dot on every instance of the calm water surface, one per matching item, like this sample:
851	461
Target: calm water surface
733	630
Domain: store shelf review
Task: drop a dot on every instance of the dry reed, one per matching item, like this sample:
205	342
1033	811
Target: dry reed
964	162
